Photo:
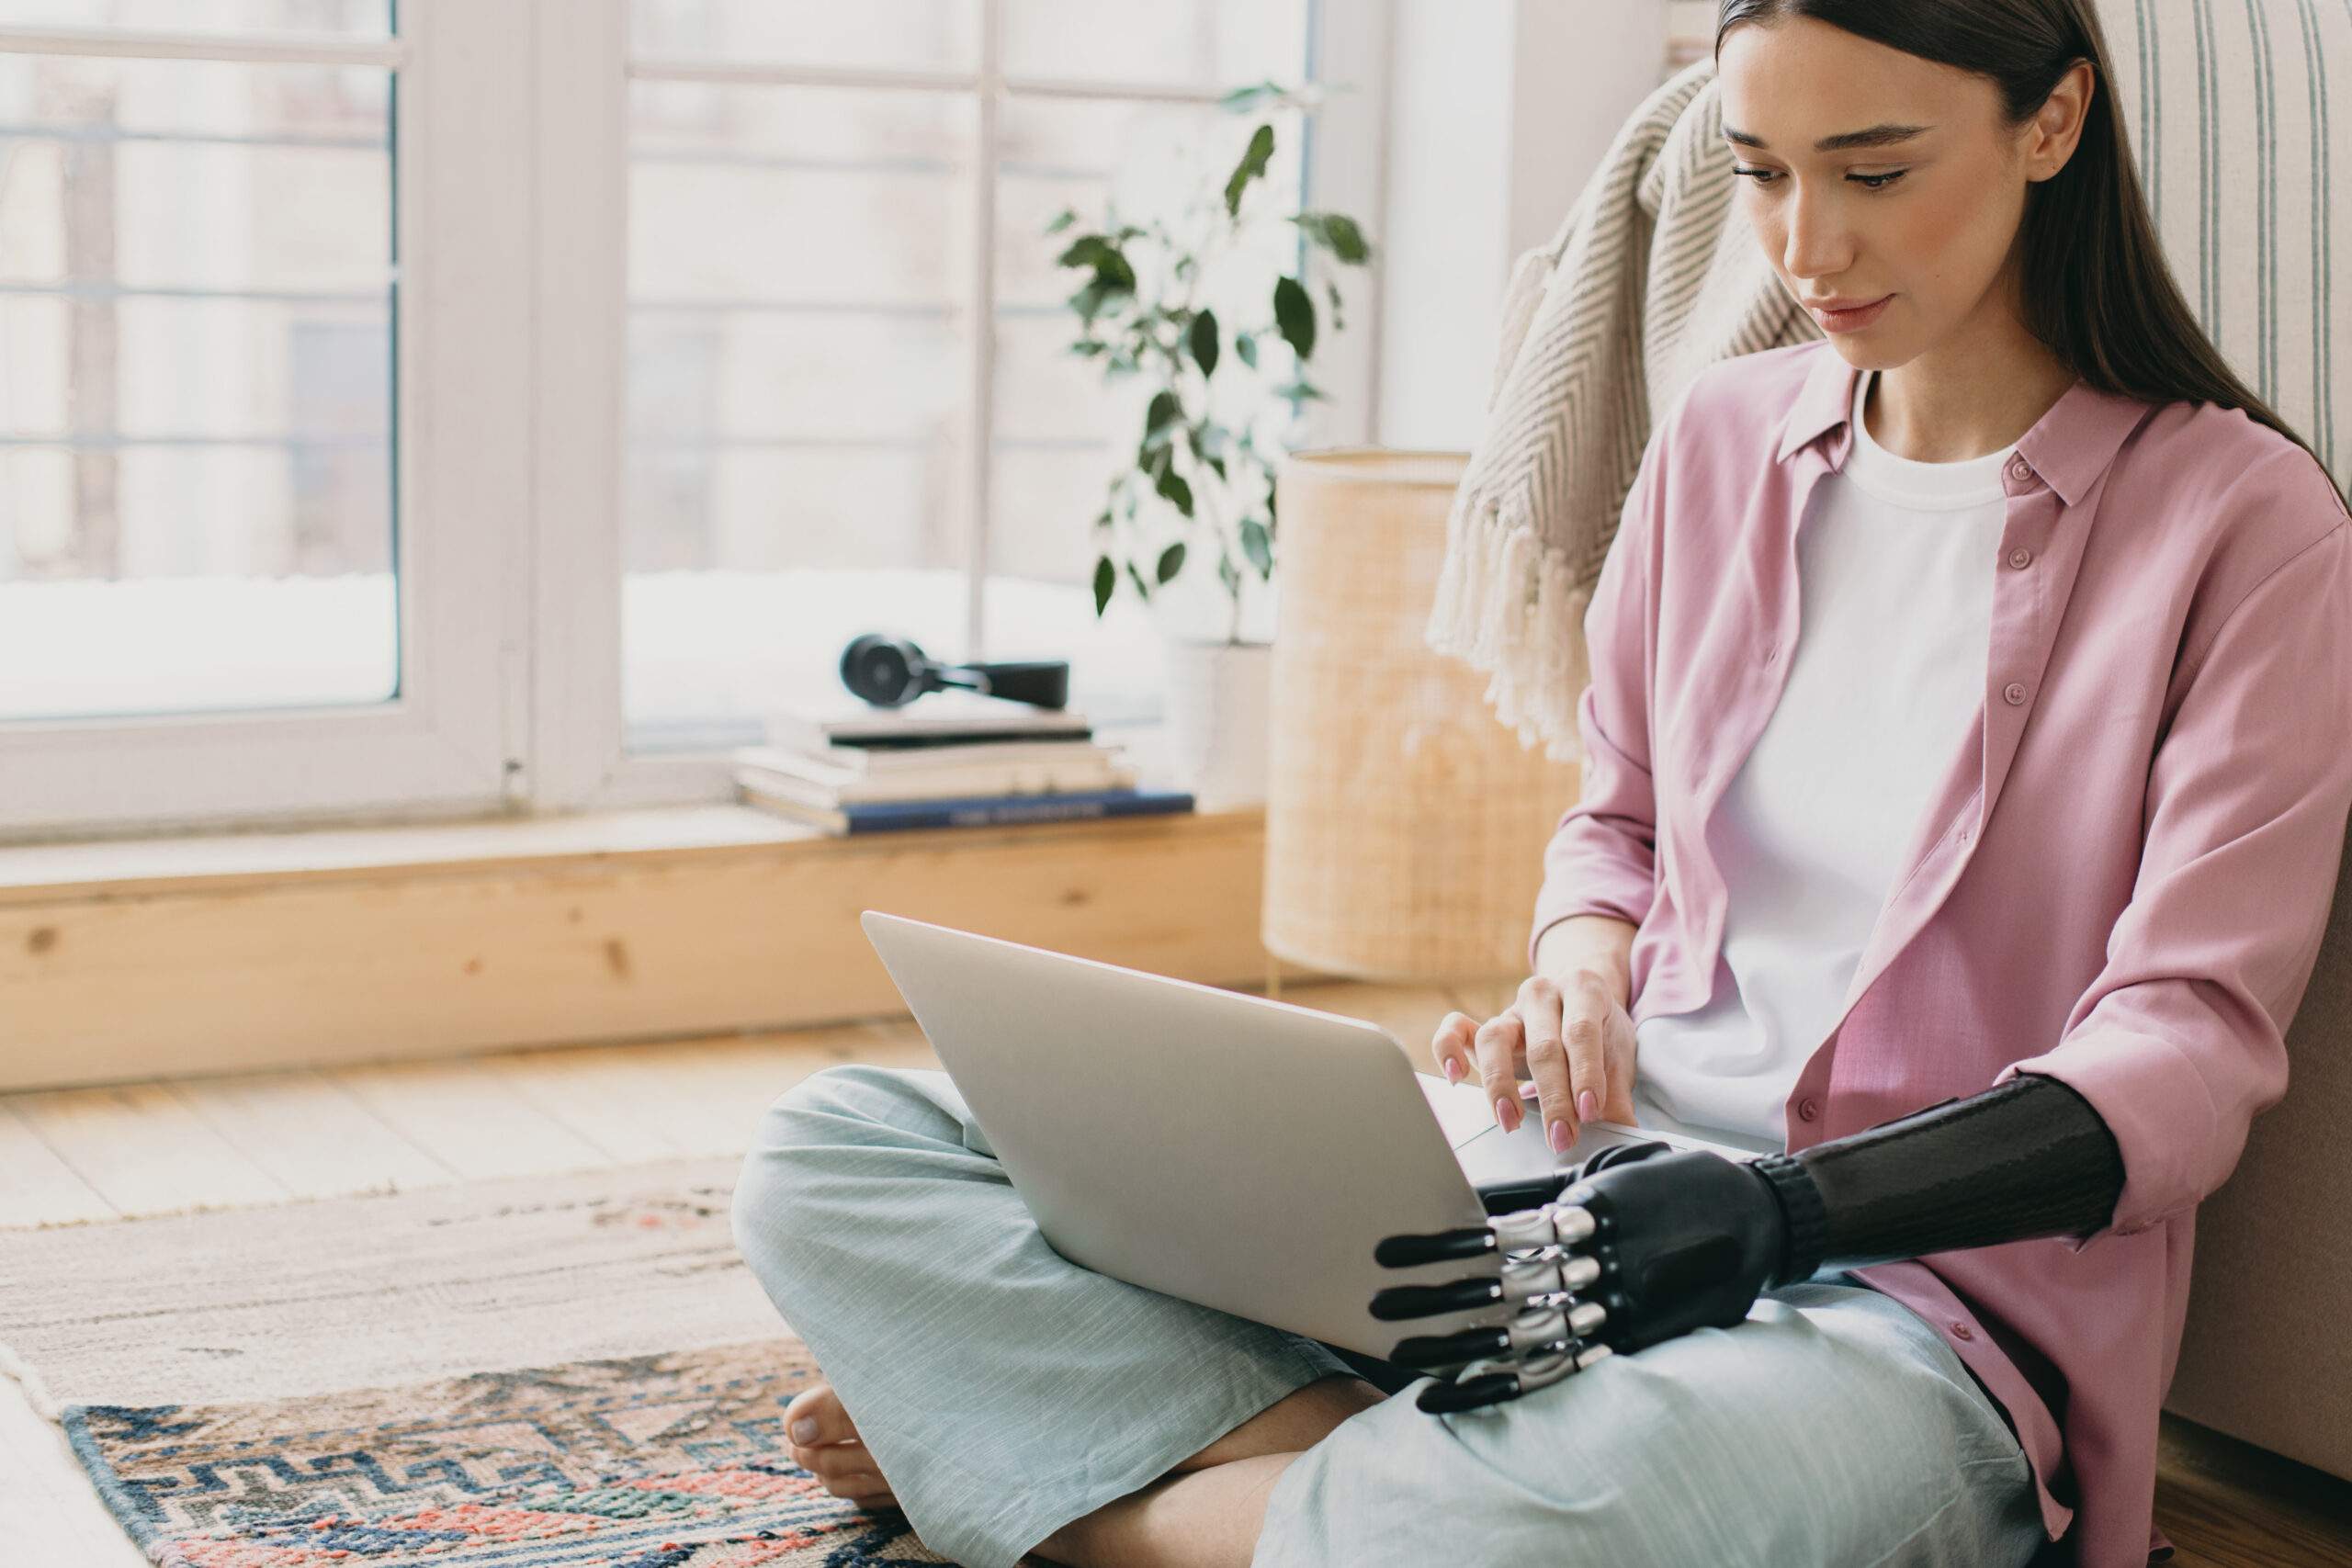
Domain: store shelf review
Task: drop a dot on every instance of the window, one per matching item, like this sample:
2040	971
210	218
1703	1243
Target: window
237	578
823	201
452	405
195	336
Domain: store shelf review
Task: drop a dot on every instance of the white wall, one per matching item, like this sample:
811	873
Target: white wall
1499	110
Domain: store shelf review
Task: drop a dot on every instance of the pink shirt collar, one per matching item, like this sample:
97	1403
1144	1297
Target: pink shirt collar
2069	448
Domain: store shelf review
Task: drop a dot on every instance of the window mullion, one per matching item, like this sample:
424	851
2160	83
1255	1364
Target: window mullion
981	459
579	201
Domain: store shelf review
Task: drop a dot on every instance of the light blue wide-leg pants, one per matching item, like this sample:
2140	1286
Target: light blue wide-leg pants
1005	1390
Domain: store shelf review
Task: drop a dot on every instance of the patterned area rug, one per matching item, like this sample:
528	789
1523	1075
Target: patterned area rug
655	1462
544	1373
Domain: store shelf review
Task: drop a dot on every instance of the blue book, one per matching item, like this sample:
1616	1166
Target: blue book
983	811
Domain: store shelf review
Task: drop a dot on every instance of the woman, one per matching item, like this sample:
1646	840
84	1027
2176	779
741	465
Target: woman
2024	755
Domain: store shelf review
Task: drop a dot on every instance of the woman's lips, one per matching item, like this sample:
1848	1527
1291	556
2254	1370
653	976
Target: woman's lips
1850	318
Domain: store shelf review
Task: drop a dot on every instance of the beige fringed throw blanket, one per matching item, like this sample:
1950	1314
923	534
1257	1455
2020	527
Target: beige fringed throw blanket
1650	281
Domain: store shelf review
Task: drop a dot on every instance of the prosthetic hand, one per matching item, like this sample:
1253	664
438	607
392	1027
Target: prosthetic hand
1645	1245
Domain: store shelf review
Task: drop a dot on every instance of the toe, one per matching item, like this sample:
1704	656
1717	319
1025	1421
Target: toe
823	1441
816	1417
834	1459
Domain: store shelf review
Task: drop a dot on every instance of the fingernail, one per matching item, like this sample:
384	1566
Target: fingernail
1588	1108
1560	1138
804	1431
1506	1114
1452	1070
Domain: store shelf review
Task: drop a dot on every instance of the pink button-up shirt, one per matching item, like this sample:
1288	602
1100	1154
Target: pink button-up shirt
2120	883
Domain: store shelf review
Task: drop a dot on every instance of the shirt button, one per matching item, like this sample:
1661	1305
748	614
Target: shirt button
2019	469
1961	1331
2013	694
1808	1109
2020	558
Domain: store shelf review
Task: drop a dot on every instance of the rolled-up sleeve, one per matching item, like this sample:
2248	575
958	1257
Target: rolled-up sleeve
2181	1041
1602	857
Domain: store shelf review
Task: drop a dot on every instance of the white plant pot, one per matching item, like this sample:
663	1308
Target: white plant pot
1217	720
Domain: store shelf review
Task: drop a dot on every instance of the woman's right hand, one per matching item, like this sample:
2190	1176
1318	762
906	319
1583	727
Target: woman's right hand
1567	1029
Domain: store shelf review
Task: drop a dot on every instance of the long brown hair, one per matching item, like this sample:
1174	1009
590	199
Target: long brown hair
2097	289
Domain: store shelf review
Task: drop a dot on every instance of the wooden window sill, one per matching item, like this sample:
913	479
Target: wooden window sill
134	959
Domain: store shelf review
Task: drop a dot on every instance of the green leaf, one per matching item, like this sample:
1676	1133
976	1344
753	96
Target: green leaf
1228	575
1171	562
1295	316
1174	490
1246	345
1097	252
1302	392
1259	545
1114	279
1200	338
1338	234
1096	298
1259	151
1162	419
1106	583
1061	221
1143	589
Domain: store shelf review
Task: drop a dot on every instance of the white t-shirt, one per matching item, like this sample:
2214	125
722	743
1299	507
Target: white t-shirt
1895	563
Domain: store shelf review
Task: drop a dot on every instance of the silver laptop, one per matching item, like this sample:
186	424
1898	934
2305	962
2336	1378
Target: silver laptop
1243	1154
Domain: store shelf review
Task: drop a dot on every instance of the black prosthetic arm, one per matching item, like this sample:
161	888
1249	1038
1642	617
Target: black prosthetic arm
1645	1245
2029	1158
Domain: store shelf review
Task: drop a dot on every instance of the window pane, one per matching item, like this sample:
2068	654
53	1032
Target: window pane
799	382
1062	430
1218	44
340	19
195	373
930	35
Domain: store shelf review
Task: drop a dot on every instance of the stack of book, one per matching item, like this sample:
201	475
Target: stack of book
948	761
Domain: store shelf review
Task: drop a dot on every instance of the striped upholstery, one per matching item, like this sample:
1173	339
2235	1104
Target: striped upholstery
2240	114
2241	111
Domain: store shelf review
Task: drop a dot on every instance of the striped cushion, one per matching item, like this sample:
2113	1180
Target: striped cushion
2240	114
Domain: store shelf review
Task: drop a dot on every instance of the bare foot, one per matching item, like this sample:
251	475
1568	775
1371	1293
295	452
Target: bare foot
1207	1512
1204	1511
824	1442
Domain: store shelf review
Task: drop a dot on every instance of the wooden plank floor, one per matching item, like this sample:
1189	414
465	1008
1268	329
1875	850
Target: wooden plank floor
71	1156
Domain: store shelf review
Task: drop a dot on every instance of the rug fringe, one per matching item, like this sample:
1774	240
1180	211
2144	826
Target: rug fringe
36	1392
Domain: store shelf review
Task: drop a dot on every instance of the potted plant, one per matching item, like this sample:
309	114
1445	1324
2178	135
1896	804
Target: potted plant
1225	396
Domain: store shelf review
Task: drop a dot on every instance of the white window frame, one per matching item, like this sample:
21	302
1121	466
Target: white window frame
580	759
443	745
511	163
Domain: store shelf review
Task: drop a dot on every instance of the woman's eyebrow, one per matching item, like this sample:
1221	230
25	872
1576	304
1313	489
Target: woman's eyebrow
1875	136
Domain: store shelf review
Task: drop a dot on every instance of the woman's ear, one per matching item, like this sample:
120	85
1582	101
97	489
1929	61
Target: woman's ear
2056	128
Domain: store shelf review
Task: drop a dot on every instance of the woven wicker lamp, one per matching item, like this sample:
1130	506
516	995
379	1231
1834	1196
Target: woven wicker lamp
1405	827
